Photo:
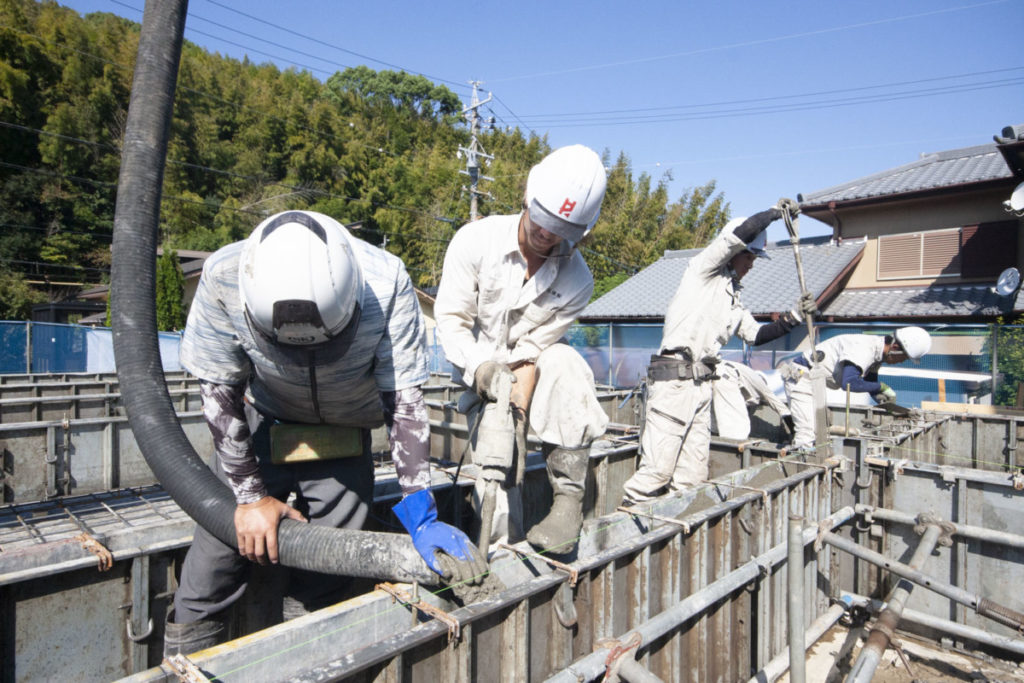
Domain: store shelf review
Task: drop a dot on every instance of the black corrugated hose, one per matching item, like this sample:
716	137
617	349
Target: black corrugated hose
136	350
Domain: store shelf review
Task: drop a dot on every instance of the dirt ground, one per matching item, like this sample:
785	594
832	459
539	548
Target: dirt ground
831	658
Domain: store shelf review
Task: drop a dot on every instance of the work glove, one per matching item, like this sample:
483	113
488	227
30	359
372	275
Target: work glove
807	306
885	394
439	543
792	206
485	380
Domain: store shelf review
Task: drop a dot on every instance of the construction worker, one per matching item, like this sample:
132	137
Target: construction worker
738	390
852	362
303	334
510	288
704	314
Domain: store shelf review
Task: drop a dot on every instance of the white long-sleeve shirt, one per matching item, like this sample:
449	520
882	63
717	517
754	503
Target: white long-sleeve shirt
706	310
486	309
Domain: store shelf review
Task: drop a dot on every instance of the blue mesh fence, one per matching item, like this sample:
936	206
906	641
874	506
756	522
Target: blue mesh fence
962	355
60	348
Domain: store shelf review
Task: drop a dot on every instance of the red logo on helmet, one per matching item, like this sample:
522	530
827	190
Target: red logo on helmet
567	207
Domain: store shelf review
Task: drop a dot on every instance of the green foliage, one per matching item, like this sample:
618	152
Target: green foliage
1010	352
248	140
170	288
607	284
16	297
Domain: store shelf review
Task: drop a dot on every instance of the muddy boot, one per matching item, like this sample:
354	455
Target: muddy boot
191	637
567	472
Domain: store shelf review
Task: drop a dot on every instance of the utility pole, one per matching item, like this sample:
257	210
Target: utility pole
474	153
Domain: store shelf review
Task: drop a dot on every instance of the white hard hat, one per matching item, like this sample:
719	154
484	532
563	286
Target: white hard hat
914	341
299	279
564	191
757	246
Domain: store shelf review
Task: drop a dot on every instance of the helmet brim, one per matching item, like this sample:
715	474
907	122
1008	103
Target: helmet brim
567	230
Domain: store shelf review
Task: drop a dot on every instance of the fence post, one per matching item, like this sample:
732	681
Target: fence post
28	347
995	361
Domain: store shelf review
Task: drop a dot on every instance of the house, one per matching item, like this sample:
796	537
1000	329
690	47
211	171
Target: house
920	244
937	235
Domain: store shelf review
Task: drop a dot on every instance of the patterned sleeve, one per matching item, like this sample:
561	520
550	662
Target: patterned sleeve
405	413
401	356
223	408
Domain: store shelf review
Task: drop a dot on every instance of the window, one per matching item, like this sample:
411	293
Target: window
987	249
920	254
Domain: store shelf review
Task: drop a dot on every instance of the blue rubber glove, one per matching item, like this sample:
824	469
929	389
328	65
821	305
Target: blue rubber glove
445	549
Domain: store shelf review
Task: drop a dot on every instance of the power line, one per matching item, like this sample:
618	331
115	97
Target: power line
750	43
754	111
329	45
788	97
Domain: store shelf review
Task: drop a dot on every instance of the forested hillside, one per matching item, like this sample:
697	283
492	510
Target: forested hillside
249	140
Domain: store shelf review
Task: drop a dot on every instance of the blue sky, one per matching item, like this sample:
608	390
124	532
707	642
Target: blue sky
769	99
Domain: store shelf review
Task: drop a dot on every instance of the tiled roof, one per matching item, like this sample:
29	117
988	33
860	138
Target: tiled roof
771	286
936	301
932	171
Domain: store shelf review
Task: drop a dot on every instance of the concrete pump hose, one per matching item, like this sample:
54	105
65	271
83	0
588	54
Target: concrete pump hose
136	350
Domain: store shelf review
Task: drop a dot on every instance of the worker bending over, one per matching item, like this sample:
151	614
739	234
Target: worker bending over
511	287
303	339
704	314
739	390
852	362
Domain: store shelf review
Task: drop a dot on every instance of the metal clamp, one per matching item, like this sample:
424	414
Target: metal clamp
103	556
574	573
183	667
398	595
637	512
764	494
134	637
619	652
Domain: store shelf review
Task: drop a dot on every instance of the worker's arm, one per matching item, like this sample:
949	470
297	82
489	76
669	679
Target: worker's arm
455	308
445	549
256	513
756	224
852	379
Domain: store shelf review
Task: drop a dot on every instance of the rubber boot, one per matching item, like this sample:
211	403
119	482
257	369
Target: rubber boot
191	637
567	472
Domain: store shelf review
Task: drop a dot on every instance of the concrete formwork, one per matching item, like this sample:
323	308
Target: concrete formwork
691	588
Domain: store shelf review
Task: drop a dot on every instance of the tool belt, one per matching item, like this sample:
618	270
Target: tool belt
663	368
291	443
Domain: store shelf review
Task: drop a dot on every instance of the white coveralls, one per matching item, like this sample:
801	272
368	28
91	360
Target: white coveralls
739	388
486	309
704	314
863	351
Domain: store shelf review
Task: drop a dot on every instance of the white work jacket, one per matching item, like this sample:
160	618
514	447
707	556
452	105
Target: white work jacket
864	351
706	310
486	311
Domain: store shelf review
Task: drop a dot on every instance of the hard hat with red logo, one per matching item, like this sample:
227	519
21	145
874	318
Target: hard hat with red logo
564	192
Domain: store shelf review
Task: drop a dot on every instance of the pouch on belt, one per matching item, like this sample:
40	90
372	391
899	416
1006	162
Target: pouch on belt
290	443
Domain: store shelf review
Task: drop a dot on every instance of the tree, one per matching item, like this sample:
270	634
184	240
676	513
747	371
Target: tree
1010	352
170	287
17	297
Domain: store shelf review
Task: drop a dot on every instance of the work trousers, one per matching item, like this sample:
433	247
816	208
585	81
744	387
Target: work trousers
730	415
563	412
676	439
797	382
335	493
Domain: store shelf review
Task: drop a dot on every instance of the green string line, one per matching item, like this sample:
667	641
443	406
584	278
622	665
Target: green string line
627	518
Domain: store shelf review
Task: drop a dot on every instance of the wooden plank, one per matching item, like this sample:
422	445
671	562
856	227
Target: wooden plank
970	408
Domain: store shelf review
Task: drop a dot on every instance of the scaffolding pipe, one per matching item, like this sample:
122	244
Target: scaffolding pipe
885	626
819	627
795	568
983	606
593	665
952	628
632	671
973	532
